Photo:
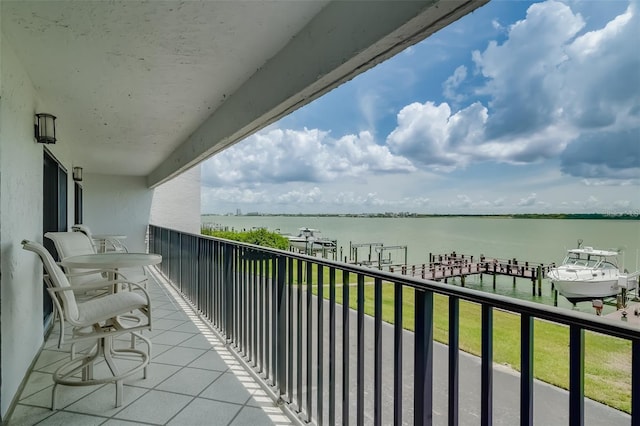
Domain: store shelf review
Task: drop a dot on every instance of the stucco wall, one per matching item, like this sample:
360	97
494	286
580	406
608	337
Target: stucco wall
20	218
118	205
176	203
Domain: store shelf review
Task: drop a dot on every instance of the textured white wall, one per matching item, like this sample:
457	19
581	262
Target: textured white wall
176	203
20	218
112	204
118	205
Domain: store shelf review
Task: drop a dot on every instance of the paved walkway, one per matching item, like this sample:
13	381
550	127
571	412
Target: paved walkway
551	403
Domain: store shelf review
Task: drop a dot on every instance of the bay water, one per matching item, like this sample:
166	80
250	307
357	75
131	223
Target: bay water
533	240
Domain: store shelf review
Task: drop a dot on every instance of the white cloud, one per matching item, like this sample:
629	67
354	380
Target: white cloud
308	155
551	88
453	82
233	194
529	200
431	135
367	104
312	195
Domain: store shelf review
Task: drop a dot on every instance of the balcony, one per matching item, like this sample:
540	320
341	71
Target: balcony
235	341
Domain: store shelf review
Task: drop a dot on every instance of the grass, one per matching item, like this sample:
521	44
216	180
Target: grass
607	360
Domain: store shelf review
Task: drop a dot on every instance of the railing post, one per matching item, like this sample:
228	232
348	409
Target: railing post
397	353
228	289
423	370
526	368
281	339
360	353
320	347
377	365
345	352
454	338
576	376
486	397
635	382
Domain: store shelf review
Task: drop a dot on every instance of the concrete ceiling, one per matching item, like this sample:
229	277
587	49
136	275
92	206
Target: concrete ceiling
151	88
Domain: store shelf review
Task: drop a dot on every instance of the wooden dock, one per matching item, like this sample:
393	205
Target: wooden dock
630	313
441	267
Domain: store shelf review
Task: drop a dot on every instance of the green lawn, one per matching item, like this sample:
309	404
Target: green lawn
607	361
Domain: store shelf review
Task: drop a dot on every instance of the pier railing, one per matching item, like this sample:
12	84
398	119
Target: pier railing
282	314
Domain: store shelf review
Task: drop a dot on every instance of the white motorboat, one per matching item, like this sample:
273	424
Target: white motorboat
587	274
310	240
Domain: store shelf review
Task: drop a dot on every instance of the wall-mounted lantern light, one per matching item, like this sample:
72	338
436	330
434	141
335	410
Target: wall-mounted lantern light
77	174
45	128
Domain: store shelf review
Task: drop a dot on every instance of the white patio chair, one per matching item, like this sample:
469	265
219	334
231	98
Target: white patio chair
78	243
107	244
99	320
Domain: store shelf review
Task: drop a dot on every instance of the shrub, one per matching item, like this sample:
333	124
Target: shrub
259	237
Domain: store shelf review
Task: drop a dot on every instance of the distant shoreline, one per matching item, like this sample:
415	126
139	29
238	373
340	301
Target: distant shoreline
589	216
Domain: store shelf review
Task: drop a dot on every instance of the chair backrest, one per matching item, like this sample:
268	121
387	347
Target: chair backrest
71	243
105	244
85	230
56	278
74	244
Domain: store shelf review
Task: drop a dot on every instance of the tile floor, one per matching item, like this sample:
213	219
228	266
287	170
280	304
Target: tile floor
193	380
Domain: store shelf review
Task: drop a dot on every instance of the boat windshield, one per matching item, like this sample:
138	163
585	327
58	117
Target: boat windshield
591	261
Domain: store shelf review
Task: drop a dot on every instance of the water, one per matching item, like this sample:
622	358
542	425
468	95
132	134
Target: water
534	240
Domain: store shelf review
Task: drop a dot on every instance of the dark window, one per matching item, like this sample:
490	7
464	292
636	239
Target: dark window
54	217
78	202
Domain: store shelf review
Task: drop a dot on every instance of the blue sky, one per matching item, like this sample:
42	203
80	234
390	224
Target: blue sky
519	107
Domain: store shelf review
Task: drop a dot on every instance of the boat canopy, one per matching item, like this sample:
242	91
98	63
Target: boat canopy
593	252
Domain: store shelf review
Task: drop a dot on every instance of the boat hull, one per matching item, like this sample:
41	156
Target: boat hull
315	246
579	291
578	284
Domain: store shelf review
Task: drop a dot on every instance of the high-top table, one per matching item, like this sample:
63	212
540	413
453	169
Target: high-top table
111	261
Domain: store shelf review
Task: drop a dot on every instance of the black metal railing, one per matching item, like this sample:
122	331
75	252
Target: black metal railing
272	308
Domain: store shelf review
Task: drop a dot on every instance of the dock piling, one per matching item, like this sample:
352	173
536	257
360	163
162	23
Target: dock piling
539	274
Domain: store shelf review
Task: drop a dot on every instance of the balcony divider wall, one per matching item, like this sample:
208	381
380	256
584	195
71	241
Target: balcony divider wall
282	312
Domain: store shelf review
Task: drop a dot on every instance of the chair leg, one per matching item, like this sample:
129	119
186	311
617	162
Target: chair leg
119	392
53	397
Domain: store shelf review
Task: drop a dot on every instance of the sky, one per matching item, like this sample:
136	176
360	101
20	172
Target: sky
518	107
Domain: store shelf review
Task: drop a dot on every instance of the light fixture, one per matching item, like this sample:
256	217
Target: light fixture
45	128
77	174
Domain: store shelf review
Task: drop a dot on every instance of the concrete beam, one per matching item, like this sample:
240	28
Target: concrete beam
345	39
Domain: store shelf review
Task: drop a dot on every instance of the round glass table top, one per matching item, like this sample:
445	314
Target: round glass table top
111	260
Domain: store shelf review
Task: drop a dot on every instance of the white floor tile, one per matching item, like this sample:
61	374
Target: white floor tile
190	381
179	356
210	360
156	374
227	388
102	402
155	407
171	337
206	413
